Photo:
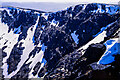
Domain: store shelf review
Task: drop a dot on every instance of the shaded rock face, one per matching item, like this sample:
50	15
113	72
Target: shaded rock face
74	65
53	44
23	74
94	51
111	73
90	7
4	54
79	67
14	58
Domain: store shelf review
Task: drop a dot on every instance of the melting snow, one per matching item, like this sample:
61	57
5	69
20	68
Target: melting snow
112	49
83	30
112	45
43	47
75	37
17	30
43	61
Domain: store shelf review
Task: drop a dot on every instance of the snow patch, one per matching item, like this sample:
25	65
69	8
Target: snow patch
38	58
45	15
112	49
17	30
97	39
27	43
75	37
12	40
103	28
111	9
54	23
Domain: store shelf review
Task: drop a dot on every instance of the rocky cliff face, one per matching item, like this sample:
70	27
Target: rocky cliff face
78	43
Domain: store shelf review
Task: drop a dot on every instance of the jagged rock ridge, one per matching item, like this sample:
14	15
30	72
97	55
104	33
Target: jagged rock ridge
37	43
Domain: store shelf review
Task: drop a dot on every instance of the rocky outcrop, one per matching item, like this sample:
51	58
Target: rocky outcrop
60	45
79	67
76	64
